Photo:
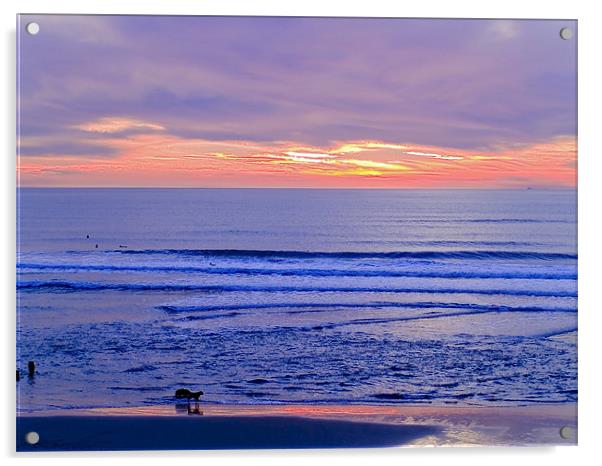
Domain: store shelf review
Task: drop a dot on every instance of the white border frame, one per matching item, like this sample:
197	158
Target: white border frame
590	154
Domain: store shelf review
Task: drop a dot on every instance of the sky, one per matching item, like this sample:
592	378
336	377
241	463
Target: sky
295	102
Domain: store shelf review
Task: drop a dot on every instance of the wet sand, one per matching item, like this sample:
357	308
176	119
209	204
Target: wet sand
295	426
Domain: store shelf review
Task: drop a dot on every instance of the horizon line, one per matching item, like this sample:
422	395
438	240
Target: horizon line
525	188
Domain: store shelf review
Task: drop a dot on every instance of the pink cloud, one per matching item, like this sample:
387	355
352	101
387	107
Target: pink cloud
162	159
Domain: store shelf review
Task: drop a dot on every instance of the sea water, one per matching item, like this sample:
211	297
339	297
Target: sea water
296	296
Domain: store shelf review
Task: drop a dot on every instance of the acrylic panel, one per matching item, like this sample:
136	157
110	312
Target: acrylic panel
280	232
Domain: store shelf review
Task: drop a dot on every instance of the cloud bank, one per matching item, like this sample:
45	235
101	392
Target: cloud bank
191	101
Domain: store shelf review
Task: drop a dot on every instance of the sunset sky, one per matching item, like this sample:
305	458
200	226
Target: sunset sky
296	102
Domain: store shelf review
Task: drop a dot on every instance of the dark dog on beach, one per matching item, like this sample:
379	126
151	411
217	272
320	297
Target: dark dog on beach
185	393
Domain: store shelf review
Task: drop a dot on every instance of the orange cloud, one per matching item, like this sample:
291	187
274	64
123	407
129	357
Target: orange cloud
158	158
116	125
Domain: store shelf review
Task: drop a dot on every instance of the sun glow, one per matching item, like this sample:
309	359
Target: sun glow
151	156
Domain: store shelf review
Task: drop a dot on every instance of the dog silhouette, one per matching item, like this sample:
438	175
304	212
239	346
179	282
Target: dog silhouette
185	393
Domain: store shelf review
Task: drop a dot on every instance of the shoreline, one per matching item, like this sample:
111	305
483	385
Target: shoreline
210	426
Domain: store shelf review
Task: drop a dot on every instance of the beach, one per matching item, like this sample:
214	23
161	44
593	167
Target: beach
364	319
273	233
214	427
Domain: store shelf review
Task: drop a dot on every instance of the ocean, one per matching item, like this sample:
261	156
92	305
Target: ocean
296	296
